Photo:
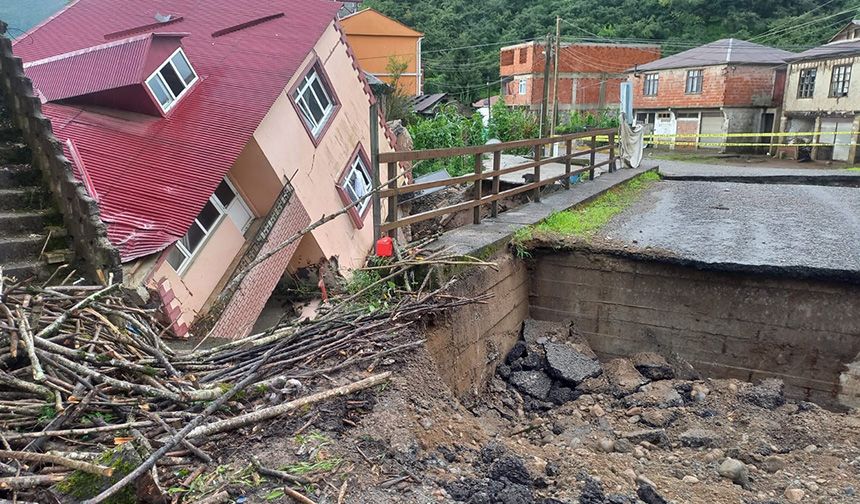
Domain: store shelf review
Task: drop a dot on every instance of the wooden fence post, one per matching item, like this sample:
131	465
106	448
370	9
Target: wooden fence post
591	157
479	169
538	149
392	200
374	170
497	165
568	148
611	151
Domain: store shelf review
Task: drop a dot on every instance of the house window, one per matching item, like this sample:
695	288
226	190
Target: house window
839	81
651	82
224	201
522	89
806	86
358	184
314	99
694	81
171	80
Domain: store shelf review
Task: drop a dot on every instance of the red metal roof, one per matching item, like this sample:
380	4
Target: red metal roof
94	69
154	174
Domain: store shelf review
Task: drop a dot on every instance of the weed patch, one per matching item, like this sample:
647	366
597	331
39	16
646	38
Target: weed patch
585	220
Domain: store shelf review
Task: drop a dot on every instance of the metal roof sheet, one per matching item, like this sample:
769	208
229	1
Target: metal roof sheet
831	50
154	174
99	68
721	52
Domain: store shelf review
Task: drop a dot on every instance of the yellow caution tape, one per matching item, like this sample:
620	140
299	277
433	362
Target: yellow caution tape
729	135
745	144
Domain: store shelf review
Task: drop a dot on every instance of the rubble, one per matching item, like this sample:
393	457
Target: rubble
769	394
653	366
566	363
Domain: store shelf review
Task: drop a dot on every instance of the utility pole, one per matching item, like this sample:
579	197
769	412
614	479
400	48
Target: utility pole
545	102
554	115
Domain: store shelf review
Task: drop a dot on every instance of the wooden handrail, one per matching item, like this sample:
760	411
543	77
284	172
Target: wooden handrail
466	205
396	157
485	175
393	192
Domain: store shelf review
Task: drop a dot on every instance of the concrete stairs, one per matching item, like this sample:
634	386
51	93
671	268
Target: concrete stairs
32	238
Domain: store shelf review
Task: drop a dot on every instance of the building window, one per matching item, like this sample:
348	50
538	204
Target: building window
524	55
171	80
806	86
522	89
839	81
314	99
224	201
358	184
651	82
355	183
694	81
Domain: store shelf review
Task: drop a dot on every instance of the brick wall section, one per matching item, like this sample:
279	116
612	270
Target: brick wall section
579	58
80	212
739	86
587	64
250	298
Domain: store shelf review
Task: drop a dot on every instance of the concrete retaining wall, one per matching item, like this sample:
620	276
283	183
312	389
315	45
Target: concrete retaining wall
738	325
469	342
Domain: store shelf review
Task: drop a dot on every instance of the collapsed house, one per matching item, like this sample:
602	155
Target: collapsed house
208	132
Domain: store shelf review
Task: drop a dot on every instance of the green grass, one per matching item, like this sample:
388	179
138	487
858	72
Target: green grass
853	168
585	220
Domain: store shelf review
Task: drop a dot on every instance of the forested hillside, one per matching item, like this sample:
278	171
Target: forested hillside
485	25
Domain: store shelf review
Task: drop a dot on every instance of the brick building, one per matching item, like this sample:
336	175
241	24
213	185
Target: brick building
727	86
589	78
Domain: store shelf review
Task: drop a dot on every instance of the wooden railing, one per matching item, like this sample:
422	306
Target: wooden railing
393	191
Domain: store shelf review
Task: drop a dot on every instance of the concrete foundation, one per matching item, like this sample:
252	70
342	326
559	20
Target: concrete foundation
471	341
726	324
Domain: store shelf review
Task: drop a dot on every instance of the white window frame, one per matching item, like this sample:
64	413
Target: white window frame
190	255
522	88
651	85
355	167
157	75
299	97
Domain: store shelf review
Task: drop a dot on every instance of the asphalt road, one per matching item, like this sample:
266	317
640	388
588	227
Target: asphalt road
749	224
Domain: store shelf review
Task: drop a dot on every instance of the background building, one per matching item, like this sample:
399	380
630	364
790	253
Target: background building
589	76
378	40
820	98
727	86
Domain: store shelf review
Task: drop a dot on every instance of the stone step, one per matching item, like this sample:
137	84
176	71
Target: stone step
21	248
17	223
23	199
24	269
19	175
14	153
9	133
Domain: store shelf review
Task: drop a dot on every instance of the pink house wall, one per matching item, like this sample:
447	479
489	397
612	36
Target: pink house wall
315	171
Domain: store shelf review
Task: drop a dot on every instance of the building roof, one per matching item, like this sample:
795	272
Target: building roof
854	23
371	22
721	52
95	69
423	104
153	174
831	50
483	102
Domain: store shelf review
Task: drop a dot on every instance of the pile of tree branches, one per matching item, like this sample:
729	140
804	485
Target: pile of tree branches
87	378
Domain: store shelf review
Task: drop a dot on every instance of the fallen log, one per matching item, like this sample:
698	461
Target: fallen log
45	458
25	482
280	409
